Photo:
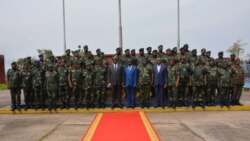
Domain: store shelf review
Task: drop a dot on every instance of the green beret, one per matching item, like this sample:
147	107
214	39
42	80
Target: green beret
203	49
68	50
220	53
127	50
155	50
141	49
40	55
133	50
13	63
168	49
160	46
118	48
149	48
98	50
86	46
194	50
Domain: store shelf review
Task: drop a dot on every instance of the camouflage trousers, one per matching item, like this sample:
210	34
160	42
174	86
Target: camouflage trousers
64	95
52	97
225	94
28	96
77	91
183	92
211	91
100	95
172	94
89	97
145	93
15	97
237	91
39	97
198	93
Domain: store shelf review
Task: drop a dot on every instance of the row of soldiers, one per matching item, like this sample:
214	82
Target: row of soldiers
83	76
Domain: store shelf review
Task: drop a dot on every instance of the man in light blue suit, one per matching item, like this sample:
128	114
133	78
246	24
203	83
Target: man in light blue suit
160	75
130	83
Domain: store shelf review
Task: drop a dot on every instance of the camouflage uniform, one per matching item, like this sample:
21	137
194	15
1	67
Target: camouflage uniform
224	85
14	82
27	88
145	81
51	86
172	89
99	85
88	81
198	79
63	86
238	83
212	82
76	84
183	72
38	86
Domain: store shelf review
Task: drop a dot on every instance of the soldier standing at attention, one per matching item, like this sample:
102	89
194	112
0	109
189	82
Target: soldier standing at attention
140	57
145	82
238	82
149	54
183	72
51	81
38	85
161	54
133	56
99	83
225	82
193	57
203	58
88	83
27	86
75	82
173	83
14	84
212	82
197	81
63	85
168	57
126	57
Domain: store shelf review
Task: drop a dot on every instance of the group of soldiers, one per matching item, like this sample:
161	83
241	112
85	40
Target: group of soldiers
83	78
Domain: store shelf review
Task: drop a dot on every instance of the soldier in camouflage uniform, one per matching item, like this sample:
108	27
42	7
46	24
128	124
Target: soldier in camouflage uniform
167	57
208	55
173	83
63	85
183	55
126	57
140	57
51	81
86	52
133	57
27	86
220	61
75	82
77	59
197	81
67	57
238	82
149	54
225	82
212	82
145	82
183	72
193	57
99	83
38	85
88	83
203	58
14	84
161	54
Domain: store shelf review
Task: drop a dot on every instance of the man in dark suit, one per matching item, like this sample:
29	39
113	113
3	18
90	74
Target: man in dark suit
160	75
130	83
115	81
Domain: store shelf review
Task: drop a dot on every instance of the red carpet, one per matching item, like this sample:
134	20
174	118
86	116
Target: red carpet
122	126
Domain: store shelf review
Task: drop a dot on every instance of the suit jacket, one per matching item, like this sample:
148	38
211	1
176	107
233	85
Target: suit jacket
160	78
115	76
130	76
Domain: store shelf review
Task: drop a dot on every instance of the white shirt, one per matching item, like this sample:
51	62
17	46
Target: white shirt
158	68
115	66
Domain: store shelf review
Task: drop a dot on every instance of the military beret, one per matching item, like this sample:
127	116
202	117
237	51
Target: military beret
86	46
203	49
141	49
168	49
126	50
194	50
13	63
149	48
155	50
185	45
133	50
160	46
208	52
220	52
118	48
98	50
68	50
232	54
28	57
182	48
40	55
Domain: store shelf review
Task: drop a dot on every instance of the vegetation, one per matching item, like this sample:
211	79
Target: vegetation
3	86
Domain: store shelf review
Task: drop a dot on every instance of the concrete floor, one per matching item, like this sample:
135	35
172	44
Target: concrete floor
188	126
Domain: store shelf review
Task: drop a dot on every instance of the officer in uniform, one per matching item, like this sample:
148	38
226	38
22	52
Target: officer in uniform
63	85
27	86
88	83
14	84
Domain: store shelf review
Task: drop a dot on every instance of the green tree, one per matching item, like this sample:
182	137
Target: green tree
237	48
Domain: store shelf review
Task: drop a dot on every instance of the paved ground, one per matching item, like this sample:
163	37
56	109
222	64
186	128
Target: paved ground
171	126
188	126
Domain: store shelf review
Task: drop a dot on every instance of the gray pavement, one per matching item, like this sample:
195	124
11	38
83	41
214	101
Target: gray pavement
181	126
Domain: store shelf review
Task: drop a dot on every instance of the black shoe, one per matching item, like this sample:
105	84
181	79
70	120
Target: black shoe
163	107
120	106
113	106
142	105
26	108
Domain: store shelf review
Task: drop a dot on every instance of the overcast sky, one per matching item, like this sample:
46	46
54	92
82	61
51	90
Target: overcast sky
28	25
